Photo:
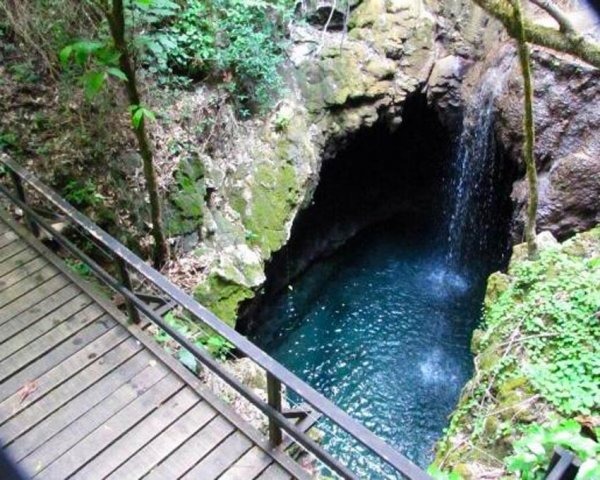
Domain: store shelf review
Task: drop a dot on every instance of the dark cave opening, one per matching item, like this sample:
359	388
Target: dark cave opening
377	174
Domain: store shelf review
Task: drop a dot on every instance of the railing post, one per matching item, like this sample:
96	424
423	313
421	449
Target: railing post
16	180
274	400
132	312
564	465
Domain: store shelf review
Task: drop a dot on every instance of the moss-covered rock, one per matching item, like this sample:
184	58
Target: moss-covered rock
534	354
187	198
222	296
275	192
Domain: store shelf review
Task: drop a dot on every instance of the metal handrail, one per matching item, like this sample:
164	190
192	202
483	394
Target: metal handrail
277	374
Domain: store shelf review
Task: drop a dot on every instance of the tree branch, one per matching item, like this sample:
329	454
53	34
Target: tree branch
547	37
557	14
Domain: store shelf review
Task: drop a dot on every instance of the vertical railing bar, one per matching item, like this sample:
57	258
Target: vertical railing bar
18	184
274	400
563	465
132	312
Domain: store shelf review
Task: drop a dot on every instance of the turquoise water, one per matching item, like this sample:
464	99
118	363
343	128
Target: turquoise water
381	328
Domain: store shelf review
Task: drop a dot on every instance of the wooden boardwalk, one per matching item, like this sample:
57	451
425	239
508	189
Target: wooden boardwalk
84	395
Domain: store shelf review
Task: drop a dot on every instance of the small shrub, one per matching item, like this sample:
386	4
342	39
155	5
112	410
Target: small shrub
533	451
238	42
82	195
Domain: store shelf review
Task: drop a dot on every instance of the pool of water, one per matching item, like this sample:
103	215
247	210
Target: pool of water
381	328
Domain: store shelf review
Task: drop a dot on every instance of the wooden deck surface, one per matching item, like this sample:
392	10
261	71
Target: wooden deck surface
83	395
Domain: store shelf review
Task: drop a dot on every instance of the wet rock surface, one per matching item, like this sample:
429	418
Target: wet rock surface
567	146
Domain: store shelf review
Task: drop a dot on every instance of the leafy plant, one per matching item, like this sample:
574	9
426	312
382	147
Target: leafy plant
439	474
8	140
238	42
533	451
202	337
82	195
139	113
79	267
98	61
282	121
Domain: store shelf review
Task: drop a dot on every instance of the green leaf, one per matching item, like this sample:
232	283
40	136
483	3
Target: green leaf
187	359
65	54
84	49
117	72
537	448
138	113
93	83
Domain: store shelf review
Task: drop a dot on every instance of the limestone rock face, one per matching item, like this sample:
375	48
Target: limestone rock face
338	83
567	145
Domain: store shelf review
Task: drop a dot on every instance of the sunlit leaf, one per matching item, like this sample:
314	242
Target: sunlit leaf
117	72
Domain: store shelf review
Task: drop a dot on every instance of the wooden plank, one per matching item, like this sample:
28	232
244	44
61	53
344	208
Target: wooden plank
250	465
6	237
37	311
139	436
40	346
85	450
162	357
32	282
161	447
27	335
10	250
274	472
52	358
23	272
34	413
194	382
188	454
62	372
76	420
227	453
24	303
8	264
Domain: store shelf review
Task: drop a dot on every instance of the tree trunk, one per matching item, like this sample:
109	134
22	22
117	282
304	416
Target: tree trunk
528	131
116	22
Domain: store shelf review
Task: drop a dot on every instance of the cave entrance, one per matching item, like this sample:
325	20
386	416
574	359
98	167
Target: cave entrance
375	175
377	321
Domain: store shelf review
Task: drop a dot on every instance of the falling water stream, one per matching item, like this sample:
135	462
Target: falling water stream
383	326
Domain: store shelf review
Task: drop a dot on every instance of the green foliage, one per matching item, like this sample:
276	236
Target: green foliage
537	357
82	195
439	474
24	72
237	41
532	452
202	337
8	140
79	267
139	113
282	122
96	60
555	300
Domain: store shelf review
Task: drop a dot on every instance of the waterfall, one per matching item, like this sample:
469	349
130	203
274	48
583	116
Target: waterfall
472	192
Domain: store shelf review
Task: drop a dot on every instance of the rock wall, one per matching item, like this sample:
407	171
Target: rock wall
340	84
567	146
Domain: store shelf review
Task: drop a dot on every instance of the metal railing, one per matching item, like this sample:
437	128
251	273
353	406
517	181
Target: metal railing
276	374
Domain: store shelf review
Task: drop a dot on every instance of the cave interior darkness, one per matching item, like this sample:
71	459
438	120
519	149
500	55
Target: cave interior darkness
378	174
